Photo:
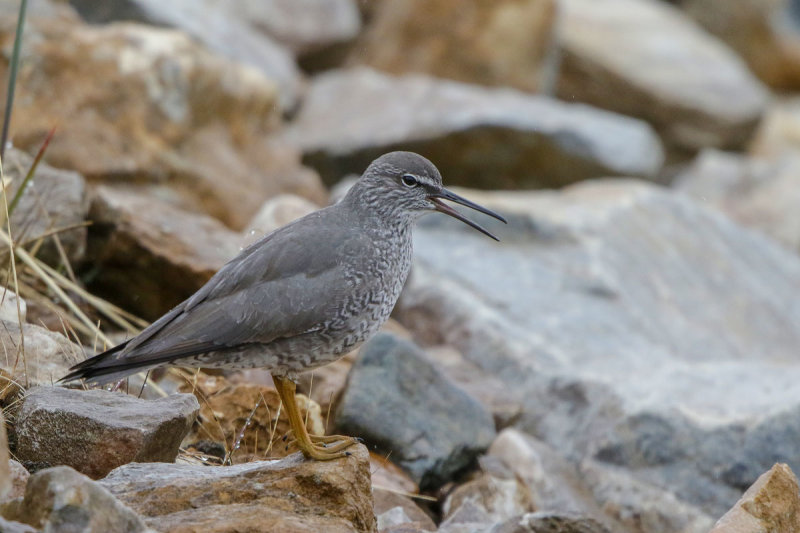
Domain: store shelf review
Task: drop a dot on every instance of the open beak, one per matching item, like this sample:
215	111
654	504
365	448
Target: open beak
442	207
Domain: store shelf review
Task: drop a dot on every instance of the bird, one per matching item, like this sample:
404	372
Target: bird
301	296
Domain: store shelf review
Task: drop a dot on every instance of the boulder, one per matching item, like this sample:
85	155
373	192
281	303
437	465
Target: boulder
61	499
779	130
54	205
496	43
352	116
291	495
398	400
501	496
395	512
18	476
9	310
223	27
135	235
771	504
33	355
763	194
691	87
96	431
5	465
148	106
764	34
544	522
620	314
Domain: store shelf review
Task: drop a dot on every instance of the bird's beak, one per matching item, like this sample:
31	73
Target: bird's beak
442	207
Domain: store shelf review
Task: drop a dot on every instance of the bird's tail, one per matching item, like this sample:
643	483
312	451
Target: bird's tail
104	367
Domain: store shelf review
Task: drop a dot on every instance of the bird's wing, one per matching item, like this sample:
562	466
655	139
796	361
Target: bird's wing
282	286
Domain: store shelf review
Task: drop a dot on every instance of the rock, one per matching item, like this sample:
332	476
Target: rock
147	105
720	107
33	356
542	522
771	504
95	431
469	518
8	526
19	479
396	512
500	497
275	213
553	483
779	131
243	420
134	235
506	43
757	193
53	200
350	117
223	27
764	34
443	428
388	477
9	312
291	495
304	26
586	281
61	499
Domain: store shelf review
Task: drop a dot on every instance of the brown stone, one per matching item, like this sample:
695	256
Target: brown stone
145	104
149	255
5	467
96	431
19	480
396	509
246	419
46	357
488	42
771	504
291	495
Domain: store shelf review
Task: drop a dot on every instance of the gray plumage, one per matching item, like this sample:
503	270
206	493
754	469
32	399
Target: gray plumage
303	295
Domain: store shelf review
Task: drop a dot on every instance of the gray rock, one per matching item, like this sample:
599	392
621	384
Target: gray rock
351	116
8	306
543	522
5	466
693	89
12	526
396	399
501	497
217	25
53	200
757	193
291	495
33	355
61	499
638	329
96	431
18	476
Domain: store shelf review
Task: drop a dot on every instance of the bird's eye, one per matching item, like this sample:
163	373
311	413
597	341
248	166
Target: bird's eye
409	180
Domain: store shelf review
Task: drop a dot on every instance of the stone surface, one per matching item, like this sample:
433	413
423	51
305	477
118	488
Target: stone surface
134	235
147	105
95	431
771	504
764	34
61	499
757	193
19	480
12	526
693	89
9	312
244	419
53	200
33	356
501	497
395	511
620	314
543	522
350	117
554	484
443	428
224	27
291	495
779	131
498	43
276	212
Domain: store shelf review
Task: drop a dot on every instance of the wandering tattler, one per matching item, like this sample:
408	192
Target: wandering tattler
303	295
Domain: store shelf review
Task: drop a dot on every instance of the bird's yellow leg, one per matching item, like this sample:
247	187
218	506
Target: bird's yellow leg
286	390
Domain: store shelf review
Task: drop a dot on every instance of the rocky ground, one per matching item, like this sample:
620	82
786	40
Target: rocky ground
624	360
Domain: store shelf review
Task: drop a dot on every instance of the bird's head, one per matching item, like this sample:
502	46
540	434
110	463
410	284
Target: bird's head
407	182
